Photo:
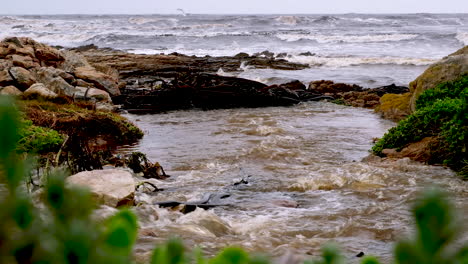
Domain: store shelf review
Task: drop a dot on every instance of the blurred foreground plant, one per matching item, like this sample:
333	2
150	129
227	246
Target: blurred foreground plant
63	231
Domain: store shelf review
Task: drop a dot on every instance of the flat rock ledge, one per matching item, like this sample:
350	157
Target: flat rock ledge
112	187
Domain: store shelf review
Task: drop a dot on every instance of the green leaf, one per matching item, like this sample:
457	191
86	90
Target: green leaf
121	231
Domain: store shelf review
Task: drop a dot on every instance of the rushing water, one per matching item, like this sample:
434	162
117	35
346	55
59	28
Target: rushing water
307	183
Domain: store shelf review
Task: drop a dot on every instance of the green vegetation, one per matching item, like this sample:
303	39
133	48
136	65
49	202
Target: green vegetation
441	113
63	231
36	139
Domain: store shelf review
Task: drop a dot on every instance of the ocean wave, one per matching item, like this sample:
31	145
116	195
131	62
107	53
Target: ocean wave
151	20
462	37
288	20
346	38
336	62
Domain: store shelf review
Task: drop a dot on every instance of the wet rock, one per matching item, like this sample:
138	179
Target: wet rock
22	77
10	90
419	151
265	53
110	187
99	79
449	68
332	88
39	90
241	55
308	53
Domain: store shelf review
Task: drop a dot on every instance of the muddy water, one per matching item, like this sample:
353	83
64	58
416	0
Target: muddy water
294	178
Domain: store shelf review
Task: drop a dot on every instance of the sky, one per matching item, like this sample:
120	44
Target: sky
8	7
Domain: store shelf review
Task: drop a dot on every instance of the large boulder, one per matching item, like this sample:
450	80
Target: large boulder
55	80
22	77
99	79
112	187
448	69
39	90
10	90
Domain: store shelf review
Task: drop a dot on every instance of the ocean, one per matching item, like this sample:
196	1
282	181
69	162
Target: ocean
364	49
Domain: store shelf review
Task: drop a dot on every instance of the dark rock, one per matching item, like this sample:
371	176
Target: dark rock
85	48
242	55
308	53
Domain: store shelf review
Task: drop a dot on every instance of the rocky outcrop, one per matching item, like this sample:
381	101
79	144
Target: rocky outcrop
24	62
210	91
109	187
355	95
448	69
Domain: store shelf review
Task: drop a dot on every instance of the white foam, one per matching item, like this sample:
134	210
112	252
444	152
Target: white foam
462	37
346	38
336	62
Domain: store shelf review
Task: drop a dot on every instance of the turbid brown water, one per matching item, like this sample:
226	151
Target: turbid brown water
305	183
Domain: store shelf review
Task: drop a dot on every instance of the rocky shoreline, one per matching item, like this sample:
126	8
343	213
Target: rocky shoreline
105	80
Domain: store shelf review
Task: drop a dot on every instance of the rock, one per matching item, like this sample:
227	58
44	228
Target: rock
24	61
5	78
99	79
332	88
448	69
83	93
39	89
5	64
308	53
81	83
394	106
418	151
22	77
241	55
10	90
51	77
72	61
112	187
49	56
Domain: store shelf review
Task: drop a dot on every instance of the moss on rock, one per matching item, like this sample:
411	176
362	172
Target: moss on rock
442	113
394	106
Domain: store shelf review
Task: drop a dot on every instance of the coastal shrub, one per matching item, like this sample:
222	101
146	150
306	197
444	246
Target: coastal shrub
442	113
64	232
36	139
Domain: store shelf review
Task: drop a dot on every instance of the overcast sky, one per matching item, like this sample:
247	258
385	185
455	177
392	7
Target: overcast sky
231	6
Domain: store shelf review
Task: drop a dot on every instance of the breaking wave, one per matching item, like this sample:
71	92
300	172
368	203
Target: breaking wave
346	38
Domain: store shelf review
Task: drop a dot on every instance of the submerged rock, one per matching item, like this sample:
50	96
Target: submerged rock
109	187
